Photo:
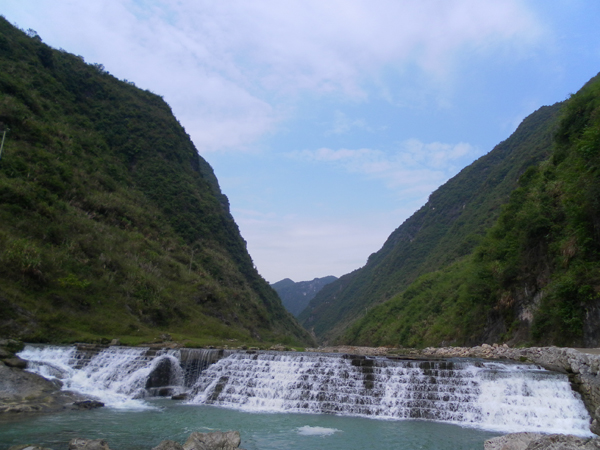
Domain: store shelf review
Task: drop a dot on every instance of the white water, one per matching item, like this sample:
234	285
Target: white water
115	376
487	395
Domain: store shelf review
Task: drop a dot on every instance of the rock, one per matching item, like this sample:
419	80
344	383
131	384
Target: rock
24	392
514	441
115	342
537	441
88	404
217	440
4	353
88	444
11	345
179	397
16	362
563	442
28	447
168	445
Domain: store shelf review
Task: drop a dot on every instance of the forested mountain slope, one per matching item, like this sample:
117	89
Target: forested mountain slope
111	225
535	278
295	296
445	229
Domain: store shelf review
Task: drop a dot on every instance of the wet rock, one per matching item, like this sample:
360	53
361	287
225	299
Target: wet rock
161	375
16	362
179	397
88	404
11	345
168	445
24	392
88	444
217	440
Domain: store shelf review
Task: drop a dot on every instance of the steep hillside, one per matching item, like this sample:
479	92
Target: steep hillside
111	225
535	278
445	229
295	296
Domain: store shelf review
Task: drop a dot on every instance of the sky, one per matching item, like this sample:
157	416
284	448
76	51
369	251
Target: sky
330	122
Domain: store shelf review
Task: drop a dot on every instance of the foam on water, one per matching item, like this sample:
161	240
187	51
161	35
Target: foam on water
316	431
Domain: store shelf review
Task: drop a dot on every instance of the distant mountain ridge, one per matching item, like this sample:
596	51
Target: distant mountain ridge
295	296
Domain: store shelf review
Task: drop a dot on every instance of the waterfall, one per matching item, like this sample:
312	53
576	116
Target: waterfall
496	396
491	395
120	376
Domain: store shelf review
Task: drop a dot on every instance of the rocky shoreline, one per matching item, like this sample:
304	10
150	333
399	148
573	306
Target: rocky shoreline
24	392
216	440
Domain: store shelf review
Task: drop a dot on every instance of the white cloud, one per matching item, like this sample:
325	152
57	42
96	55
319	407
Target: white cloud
310	248
414	166
229	69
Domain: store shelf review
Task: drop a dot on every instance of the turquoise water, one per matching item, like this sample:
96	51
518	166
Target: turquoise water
144	429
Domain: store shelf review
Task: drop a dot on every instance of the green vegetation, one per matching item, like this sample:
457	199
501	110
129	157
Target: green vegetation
111	225
535	277
443	231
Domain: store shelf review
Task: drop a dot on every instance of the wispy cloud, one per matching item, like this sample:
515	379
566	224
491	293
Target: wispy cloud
342	124
414	165
298	244
242	62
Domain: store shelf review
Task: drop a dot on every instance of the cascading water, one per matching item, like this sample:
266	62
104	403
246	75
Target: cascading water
495	396
120	376
490	395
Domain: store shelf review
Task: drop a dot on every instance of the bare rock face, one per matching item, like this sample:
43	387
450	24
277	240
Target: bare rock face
217	440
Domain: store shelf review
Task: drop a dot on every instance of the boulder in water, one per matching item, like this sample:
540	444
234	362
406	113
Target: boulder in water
168	445
88	444
28	447
88	404
537	441
216	440
16	362
564	442
514	441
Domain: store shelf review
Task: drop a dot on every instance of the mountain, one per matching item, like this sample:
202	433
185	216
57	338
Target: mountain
295	296
111	224
535	277
444	230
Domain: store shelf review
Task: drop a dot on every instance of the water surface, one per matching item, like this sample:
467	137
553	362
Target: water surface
144	429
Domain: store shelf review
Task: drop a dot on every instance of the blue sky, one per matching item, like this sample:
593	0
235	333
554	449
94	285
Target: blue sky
329	122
